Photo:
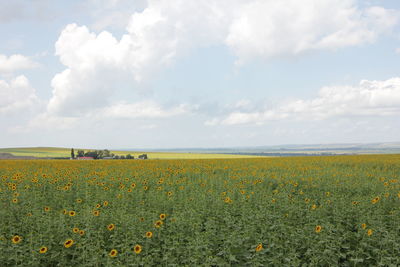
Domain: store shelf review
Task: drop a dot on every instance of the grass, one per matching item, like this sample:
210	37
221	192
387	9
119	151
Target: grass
44	152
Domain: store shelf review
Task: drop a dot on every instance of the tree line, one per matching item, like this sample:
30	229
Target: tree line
101	154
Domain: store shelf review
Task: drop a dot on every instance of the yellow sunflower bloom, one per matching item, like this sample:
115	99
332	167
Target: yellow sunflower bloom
16	239
68	243
137	249
113	253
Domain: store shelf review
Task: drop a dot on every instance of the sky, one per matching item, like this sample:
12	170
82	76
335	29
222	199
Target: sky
198	73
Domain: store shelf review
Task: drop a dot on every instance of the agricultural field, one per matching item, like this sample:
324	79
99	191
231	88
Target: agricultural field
299	211
57	152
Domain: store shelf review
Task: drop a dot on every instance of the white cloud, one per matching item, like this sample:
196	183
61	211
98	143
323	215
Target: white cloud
369	98
271	28
145	109
112	13
15	63
48	122
98	64
17	95
212	122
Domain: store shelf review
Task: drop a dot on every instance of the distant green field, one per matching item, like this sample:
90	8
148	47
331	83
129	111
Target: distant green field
44	152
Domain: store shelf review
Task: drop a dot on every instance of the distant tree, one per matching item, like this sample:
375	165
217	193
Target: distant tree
81	153
93	154
122	157
106	153
116	157
143	156
100	154
129	156
72	153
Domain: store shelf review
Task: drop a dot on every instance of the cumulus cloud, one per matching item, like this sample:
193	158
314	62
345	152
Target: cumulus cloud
112	13
145	109
369	98
17	95
13	63
168	29
267	29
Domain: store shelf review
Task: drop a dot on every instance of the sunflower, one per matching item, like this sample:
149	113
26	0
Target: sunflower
369	232
113	253
65	212
29	214
15	200
141	219
318	228
72	213
105	203
169	193
355	202
162	216
96	213
16	239
313	207
158	223
46	209
68	243
375	200
111	227
149	234
133	185
43	250
259	247
228	200
363	226
137	249
98	206
81	232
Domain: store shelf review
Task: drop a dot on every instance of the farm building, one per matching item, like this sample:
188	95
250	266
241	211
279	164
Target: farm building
84	158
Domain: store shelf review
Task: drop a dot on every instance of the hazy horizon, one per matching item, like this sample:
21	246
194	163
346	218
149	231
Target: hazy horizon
198	74
278	146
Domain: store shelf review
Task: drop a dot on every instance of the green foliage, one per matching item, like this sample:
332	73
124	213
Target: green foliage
217	212
81	153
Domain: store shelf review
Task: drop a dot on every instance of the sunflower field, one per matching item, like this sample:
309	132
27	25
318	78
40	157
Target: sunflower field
298	211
